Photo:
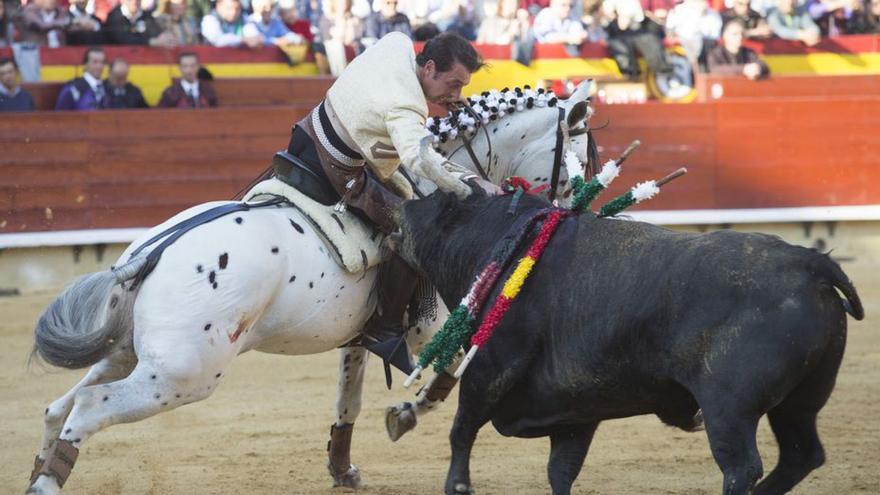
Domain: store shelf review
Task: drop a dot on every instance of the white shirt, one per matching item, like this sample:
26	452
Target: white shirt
52	35
191	88
94	83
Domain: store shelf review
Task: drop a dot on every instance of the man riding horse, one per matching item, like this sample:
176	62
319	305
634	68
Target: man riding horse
372	121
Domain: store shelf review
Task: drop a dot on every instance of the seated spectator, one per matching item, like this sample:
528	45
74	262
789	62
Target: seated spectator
429	13
189	91
695	26
464	19
224	26
789	22
830	15
129	24
12	97
505	23
658	10
198	9
730	57
289	15
266	27
338	28
84	28
310	11
86	92
385	21
7	28
756	27
627	32
121	93
593	20
172	18
535	6
557	24
44	23
865	20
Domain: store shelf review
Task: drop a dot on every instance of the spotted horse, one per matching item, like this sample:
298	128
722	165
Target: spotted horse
264	279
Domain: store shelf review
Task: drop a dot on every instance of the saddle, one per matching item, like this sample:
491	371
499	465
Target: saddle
355	245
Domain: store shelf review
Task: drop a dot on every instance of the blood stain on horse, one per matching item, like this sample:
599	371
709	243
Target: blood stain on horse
274	249
241	328
224	261
297	226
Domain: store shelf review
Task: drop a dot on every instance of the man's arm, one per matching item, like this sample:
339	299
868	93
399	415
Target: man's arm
407	132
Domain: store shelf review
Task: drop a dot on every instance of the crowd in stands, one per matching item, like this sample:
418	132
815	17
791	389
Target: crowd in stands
710	33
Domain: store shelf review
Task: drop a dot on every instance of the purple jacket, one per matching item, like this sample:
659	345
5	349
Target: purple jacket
77	95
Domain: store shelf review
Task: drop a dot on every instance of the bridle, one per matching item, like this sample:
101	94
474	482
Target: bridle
563	134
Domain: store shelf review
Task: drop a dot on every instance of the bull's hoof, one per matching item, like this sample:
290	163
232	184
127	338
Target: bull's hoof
461	489
697	424
399	420
347	479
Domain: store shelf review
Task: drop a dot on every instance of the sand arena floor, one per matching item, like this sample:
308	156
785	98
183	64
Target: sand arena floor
266	428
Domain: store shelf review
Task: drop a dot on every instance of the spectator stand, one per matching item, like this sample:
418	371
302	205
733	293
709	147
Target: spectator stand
153	68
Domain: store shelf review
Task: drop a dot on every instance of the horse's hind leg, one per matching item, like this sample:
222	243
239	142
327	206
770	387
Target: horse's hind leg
352	365
112	368
148	390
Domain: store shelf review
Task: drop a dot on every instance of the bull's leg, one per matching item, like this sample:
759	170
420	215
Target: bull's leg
800	451
148	390
732	439
352	364
472	414
567	452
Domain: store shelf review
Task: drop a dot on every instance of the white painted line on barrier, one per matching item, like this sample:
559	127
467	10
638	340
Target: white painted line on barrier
659	217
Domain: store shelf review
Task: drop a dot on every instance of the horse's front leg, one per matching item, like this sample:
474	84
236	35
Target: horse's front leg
352	364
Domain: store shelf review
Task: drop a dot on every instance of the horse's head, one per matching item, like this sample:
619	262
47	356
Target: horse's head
519	132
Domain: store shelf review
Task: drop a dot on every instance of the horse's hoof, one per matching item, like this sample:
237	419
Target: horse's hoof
697	422
461	489
348	479
399	420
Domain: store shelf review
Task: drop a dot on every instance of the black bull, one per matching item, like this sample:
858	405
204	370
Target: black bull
622	318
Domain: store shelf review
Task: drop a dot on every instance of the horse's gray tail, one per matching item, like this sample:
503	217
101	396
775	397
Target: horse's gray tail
88	320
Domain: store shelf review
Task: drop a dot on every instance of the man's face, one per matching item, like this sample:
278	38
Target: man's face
563	8
96	63
443	88
733	37
741	7
229	10
132	5
47	4
262	7
189	68
8	75
389	8
118	74
80	4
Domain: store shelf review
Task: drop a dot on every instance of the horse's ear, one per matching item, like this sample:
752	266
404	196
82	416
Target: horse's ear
582	91
577	113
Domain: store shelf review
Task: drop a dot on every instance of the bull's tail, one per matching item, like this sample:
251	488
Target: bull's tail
88	320
828	269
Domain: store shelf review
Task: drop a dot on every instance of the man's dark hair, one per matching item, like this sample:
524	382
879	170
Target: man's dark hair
89	51
187	54
448	48
8	60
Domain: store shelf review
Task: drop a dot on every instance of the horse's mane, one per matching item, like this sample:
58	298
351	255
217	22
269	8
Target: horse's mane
487	107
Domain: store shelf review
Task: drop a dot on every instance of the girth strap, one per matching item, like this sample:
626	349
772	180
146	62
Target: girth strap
171	234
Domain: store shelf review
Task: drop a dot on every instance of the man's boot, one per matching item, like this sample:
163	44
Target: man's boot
383	333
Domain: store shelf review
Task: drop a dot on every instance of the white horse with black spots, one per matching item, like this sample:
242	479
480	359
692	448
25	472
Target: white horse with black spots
254	280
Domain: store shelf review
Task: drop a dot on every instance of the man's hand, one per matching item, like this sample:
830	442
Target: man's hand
490	188
752	70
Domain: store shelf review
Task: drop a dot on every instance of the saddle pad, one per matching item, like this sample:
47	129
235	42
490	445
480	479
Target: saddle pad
355	245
